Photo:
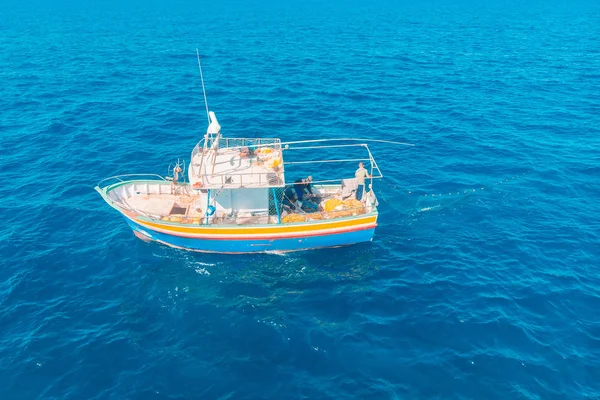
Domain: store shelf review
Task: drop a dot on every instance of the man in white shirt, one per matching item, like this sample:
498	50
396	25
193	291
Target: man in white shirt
360	175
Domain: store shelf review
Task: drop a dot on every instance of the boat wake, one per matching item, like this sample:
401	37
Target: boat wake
277	253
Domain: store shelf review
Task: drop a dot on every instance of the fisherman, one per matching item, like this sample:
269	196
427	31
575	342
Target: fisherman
176	171
303	188
360	175
175	180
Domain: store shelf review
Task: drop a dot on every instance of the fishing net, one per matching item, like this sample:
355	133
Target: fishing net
276	196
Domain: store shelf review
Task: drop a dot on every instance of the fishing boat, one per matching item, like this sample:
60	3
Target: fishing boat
233	196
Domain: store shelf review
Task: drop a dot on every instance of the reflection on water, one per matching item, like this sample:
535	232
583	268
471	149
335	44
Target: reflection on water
242	282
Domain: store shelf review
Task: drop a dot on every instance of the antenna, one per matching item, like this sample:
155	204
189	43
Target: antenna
203	90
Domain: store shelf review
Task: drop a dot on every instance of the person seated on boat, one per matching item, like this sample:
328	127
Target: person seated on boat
303	188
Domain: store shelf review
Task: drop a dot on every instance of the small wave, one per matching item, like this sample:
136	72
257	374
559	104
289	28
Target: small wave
202	271
205	264
429	208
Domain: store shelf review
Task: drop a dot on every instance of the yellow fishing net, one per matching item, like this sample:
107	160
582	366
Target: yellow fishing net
338	208
293	218
332	204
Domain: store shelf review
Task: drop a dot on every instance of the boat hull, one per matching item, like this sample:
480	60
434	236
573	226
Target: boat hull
321	230
256	243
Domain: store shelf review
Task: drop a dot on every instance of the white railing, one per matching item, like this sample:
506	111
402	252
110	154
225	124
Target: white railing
265	179
228	143
128	177
374	172
236	180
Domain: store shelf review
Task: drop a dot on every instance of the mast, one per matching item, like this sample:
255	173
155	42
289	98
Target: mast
202	79
213	132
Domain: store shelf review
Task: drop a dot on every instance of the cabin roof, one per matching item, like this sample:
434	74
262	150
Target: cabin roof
233	164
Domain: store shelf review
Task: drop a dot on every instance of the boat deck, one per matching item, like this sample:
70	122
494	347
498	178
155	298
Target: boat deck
162	200
162	205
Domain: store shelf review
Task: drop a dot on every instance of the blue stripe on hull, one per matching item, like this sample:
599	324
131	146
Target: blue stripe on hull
258	245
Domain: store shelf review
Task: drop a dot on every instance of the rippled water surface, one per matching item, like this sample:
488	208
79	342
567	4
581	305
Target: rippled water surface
469	294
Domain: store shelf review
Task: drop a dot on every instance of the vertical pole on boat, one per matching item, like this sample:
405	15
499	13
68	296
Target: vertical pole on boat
276	201
372	162
371	175
207	204
203	90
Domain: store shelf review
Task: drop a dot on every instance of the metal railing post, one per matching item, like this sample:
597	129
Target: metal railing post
207	205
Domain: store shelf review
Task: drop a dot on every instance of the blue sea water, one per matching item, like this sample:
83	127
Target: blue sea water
472	293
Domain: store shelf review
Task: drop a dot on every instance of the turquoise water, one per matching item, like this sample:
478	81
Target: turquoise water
469	294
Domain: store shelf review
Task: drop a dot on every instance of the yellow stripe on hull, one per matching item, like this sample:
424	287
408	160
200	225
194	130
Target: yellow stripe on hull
308	227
